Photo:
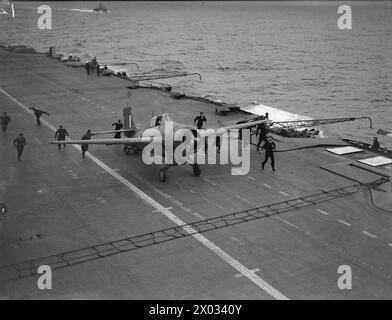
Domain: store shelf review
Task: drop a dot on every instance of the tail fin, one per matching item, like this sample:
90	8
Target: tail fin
129	123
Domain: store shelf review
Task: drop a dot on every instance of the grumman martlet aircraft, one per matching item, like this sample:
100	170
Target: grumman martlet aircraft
165	133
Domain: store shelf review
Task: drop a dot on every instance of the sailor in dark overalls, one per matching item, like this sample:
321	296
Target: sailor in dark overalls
61	135
87	136
262	132
19	143
117	126
376	144
199	120
5	119
269	147
38	113
88	67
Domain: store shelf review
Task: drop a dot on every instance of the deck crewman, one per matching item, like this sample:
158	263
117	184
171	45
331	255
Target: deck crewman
199	120
98	69
117	126
38	113
5	120
94	63
88	67
86	136
376	144
19	143
262	132
269	147
61	135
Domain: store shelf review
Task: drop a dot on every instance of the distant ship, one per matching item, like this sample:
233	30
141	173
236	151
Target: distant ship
101	8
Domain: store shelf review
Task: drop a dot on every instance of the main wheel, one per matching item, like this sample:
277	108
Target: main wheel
196	170
162	175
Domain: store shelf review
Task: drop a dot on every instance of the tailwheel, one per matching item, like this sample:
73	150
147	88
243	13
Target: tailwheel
162	174
127	150
196	170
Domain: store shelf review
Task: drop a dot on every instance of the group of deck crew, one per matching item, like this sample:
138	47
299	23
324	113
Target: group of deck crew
20	141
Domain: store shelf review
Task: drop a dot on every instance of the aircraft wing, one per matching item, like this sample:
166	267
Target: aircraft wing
221	130
112	131
127	141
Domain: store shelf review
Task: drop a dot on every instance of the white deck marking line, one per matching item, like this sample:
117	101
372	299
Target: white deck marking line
284	193
267	185
209	181
192	191
195	214
244	199
237	240
344	222
262	284
323	212
219	206
206	199
239	275
168	208
251	178
371	235
285	221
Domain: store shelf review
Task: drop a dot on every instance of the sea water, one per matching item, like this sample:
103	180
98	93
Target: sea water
289	56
